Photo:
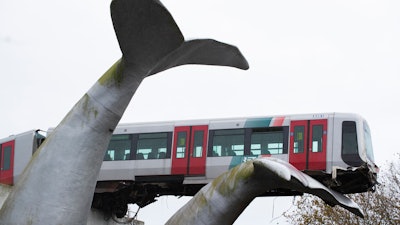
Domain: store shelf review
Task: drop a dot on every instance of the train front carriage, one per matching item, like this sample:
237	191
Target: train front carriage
353	169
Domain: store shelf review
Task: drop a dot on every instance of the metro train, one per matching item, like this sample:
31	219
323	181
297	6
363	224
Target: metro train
147	160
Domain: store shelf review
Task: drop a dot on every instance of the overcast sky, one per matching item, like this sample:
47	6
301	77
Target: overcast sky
305	57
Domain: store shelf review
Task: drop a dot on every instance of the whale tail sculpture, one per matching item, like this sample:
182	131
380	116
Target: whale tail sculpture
160	45
58	184
224	199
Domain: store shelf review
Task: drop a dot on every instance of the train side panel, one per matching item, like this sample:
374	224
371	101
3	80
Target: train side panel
329	144
23	146
129	169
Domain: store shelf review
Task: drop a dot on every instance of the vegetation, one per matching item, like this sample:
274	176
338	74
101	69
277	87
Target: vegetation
379	207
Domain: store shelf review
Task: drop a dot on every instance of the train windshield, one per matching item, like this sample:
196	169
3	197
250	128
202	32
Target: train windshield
368	142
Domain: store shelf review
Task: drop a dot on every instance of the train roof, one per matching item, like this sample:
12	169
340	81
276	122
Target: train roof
14	136
220	123
214	123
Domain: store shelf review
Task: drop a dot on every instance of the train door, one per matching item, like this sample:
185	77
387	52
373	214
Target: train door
308	144
189	150
7	162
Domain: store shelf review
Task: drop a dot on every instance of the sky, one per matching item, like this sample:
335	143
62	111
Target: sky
307	56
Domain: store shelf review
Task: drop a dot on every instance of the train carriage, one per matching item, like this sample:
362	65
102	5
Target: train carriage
325	146
146	160
15	153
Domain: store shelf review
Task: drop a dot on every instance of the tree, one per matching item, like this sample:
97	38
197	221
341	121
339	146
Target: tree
379	207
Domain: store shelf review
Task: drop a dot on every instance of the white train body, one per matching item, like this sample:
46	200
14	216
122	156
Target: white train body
314	143
146	160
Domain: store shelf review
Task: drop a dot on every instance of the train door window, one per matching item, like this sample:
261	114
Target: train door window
298	145
181	145
119	148
152	146
7	162
317	134
228	142
198	144
6	158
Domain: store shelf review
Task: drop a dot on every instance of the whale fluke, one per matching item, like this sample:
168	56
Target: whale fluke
145	30
160	45
206	52
224	199
287	176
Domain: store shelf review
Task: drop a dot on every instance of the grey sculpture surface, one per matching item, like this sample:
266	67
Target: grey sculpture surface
58	184
224	199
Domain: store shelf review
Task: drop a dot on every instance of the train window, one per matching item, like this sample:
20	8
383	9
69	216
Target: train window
298	139
266	142
7	158
317	133
39	140
349	138
181	145
119	148
350	144
152	146
368	142
228	142
198	144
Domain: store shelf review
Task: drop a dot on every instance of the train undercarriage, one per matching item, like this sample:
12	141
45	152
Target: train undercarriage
113	197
